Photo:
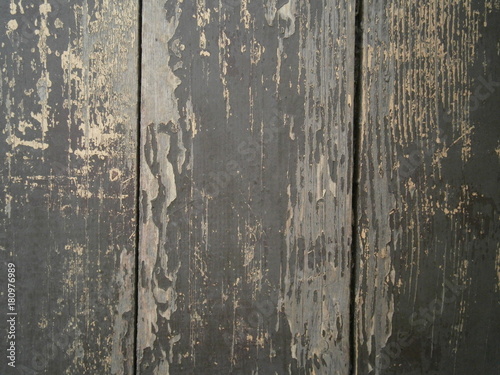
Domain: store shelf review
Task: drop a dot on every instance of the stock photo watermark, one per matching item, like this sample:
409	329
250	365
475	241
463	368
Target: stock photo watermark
417	157
27	19
249	149
420	322
11	315
53	347
260	312
231	3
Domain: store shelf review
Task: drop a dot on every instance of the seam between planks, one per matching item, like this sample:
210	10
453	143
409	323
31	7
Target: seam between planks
138	190
356	129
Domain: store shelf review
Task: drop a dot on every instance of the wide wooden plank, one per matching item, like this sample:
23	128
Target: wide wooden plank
246	175
428	227
68	104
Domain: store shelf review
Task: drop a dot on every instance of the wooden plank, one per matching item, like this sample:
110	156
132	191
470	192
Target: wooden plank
68	73
428	226
246	138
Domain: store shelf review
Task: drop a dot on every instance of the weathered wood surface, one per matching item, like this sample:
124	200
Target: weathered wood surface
246	162
427	297
68	99
246	138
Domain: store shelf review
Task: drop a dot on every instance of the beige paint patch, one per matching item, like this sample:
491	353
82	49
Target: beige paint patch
12	25
15	141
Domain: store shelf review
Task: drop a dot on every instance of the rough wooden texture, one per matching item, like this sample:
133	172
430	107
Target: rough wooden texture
246	163
246	187
428	245
68	78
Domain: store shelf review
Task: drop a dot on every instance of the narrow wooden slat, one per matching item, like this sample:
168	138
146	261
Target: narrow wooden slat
246	138
428	244
68	102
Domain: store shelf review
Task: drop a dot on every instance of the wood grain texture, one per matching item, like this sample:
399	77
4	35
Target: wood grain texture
68	104
246	175
427	292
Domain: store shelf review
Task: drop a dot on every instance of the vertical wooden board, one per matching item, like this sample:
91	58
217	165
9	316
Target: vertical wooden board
68	99
428	227
246	138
